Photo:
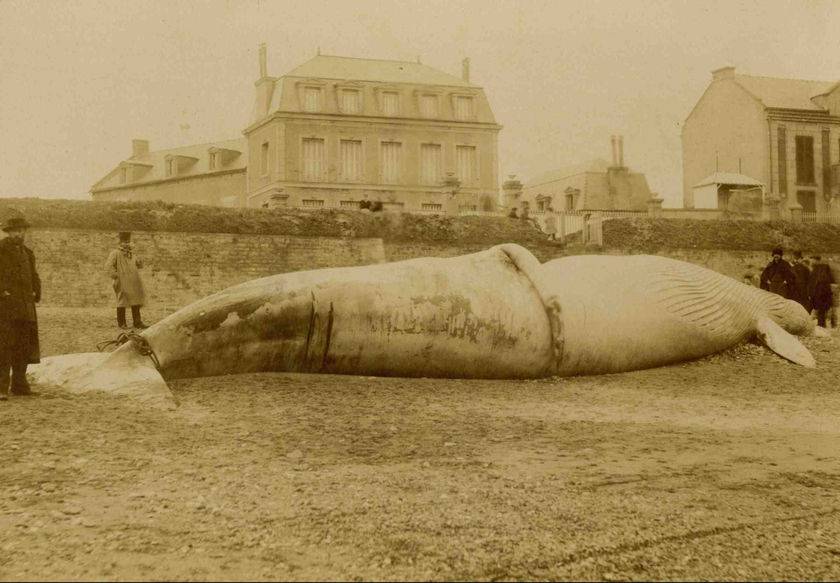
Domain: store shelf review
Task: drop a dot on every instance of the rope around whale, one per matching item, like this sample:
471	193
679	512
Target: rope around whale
141	345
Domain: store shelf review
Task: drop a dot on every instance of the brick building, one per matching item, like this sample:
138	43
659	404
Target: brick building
336	130
782	133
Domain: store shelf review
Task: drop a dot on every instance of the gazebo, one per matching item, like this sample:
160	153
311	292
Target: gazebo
729	191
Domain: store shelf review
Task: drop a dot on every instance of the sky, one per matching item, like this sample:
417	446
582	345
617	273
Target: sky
79	80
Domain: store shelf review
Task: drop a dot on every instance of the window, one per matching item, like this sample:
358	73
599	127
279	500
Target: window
351	101
214	160
264	159
312	203
351	160
465	158
431	206
826	163
430	163
463	107
390	103
807	199
314	160
171	166
570	202
804	160
312	99
391	162
429	105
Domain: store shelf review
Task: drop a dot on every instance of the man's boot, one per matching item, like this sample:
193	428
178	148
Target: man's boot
136	319
20	386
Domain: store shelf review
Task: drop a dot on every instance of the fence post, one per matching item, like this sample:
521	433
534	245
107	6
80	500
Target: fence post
562	227
770	208
654	206
795	212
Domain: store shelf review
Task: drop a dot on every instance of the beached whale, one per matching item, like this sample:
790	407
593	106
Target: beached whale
494	314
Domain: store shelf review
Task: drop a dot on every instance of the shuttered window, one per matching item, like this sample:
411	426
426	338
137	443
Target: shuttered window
782	153
391	162
826	164
429	105
805	160
390	103
430	163
351	160
463	107
264	158
351	101
314	161
312	99
466	163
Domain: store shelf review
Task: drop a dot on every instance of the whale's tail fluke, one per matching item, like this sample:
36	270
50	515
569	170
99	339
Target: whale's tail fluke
122	372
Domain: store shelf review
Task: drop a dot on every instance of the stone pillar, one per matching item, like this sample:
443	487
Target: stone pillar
654	206
770	208
795	210
511	193
561	226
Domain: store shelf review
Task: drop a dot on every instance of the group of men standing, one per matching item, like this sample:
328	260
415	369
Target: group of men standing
20	291
810	286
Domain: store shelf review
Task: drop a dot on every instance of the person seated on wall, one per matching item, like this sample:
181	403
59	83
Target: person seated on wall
376	206
364	204
513	214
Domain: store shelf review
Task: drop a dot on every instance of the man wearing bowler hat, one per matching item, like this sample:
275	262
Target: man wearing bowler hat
122	266
20	290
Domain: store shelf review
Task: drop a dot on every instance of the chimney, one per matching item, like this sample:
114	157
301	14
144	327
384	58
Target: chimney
465	70
727	72
264	85
139	148
620	140
614	146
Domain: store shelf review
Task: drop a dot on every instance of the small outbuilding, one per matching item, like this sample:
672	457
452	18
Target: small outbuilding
729	191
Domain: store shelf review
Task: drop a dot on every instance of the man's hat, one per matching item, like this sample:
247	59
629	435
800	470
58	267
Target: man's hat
777	251
16	224
125	236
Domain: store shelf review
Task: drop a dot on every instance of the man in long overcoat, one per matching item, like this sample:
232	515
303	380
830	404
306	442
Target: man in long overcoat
20	290
820	289
803	277
778	277
122	265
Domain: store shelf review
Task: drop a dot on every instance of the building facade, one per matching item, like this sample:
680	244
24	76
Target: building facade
783	133
210	174
336	131
596	186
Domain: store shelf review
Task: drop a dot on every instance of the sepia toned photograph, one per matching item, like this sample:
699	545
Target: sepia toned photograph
396	290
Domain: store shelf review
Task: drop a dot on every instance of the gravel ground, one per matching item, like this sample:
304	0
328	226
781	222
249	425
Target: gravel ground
723	468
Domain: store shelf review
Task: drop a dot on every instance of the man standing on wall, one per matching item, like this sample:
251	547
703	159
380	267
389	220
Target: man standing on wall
20	290
122	266
778	277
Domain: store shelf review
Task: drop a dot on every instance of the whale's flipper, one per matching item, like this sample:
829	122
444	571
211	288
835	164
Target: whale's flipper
782	343
121	372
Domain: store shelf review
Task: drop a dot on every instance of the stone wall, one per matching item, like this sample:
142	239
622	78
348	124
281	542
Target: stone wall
182	267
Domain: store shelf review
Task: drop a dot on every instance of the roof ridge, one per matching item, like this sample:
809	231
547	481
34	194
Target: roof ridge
783	78
368	59
190	146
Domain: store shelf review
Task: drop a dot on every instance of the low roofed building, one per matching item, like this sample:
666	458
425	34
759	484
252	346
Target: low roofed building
595	186
210	174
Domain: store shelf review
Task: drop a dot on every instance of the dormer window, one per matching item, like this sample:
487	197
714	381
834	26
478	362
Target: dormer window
312	99
390	103
351	101
428	105
463	107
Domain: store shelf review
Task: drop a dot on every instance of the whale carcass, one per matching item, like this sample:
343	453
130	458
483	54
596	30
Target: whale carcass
494	314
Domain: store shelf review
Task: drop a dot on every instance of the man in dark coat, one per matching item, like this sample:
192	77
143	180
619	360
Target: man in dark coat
20	290
778	277
820	289
803	278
